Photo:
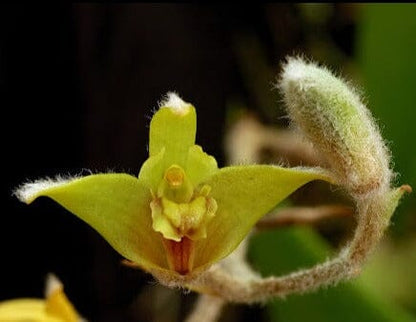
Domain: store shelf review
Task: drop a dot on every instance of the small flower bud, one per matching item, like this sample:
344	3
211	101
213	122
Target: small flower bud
332	116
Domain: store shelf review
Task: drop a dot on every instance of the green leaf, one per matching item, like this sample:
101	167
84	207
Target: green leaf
173	129
117	206
244	194
283	251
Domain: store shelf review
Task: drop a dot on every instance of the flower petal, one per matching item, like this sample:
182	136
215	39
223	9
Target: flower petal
56	307
173	127
116	205
199	165
152	171
243	195
25	309
57	304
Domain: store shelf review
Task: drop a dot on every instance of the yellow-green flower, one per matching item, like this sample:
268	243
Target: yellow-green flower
55	308
182	213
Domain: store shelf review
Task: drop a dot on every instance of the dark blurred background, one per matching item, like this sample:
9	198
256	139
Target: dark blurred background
78	86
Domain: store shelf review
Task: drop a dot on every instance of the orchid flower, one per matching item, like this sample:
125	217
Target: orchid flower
182	213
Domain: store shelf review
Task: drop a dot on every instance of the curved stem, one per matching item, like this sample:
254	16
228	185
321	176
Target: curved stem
374	212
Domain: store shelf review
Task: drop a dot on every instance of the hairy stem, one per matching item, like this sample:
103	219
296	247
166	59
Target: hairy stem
374	213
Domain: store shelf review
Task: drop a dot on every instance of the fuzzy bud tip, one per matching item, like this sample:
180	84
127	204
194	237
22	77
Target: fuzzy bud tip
331	115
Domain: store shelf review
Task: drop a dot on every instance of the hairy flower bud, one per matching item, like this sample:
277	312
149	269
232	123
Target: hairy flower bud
333	117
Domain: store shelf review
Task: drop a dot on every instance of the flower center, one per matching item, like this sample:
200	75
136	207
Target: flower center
174	176
181	214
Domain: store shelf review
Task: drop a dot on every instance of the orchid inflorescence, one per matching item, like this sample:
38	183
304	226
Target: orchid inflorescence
182	217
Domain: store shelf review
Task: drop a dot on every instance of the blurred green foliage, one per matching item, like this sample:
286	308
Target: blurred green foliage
396	260
386	50
283	251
